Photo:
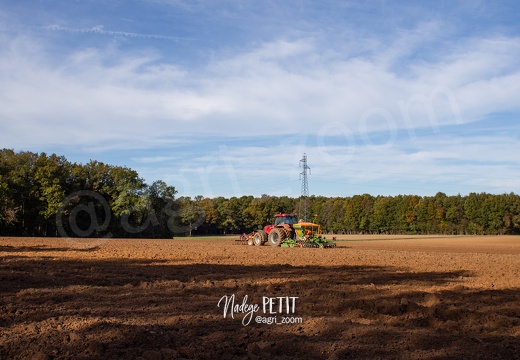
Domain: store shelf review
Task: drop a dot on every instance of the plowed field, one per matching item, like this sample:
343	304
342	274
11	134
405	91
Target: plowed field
396	297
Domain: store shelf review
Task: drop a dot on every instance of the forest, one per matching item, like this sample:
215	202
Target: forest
46	195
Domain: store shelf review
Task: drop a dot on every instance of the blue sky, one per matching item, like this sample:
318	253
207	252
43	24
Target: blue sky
222	98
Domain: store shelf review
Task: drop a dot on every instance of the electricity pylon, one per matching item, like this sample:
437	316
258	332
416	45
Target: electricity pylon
305	187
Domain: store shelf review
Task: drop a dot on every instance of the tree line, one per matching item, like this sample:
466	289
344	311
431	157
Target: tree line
46	195
475	214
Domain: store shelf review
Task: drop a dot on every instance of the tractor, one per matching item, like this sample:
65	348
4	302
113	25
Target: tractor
287	231
276	233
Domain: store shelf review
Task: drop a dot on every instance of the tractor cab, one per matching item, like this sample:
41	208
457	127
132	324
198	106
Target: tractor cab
289	219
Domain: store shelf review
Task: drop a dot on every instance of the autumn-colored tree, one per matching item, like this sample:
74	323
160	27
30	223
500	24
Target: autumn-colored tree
41	194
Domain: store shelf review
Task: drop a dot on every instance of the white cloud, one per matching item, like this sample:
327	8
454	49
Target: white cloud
228	108
103	95
99	29
155	159
433	162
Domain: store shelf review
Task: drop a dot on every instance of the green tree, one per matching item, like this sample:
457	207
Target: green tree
22	196
160	206
51	176
210	214
473	212
454	216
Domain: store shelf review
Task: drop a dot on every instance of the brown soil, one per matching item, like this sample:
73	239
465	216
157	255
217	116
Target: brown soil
372	297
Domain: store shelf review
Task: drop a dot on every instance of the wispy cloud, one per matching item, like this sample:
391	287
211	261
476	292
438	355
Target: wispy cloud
432	162
155	159
100	30
290	86
385	91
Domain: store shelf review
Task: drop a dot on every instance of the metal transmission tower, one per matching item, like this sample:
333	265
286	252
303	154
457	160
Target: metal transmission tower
305	187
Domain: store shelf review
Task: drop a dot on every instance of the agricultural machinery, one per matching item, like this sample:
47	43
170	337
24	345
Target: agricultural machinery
287	231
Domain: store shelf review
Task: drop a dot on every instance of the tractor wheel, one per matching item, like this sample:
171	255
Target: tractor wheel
250	241
288	233
259	238
276	237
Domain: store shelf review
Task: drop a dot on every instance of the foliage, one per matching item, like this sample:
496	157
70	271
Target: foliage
41	194
35	189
